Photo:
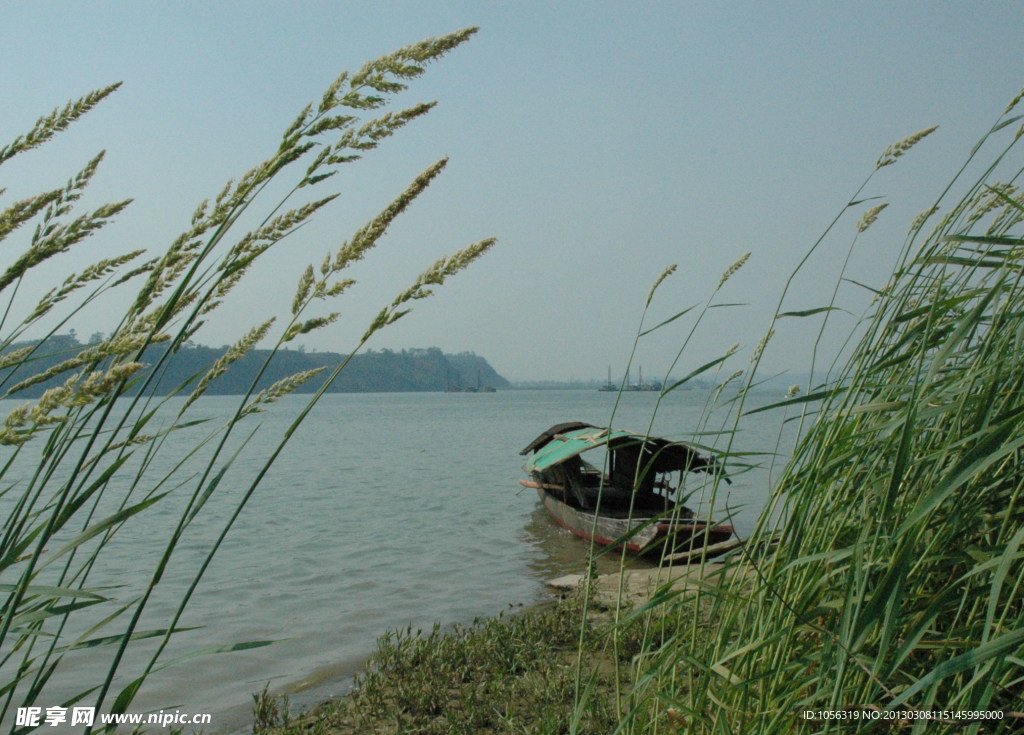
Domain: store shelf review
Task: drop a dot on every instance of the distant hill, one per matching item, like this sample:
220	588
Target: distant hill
427	369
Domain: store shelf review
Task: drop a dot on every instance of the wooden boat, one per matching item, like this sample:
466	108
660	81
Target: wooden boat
635	502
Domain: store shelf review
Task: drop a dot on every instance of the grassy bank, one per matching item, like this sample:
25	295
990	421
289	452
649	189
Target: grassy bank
567	665
510	674
556	667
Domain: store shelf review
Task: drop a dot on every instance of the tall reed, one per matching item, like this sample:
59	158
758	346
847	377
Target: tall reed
884	581
93	457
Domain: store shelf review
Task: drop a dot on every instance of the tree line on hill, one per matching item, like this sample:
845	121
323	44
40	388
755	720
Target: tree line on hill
421	369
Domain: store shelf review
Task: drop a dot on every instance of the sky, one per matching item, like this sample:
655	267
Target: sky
599	142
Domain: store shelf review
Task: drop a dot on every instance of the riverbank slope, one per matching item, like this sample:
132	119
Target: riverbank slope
537	671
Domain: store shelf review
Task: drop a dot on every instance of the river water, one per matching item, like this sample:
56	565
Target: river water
384	511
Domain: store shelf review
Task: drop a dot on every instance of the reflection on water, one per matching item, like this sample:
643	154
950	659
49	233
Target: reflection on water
564	553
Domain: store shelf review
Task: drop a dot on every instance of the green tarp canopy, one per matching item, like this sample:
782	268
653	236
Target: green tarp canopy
565	441
571	443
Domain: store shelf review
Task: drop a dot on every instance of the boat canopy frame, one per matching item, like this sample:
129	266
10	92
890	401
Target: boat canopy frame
563	442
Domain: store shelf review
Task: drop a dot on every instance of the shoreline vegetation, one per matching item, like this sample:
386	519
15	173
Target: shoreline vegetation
511	673
882	589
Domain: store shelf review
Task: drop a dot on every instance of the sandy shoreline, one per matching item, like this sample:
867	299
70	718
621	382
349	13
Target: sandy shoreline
636	586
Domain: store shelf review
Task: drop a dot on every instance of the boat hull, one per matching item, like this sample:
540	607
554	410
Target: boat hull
647	537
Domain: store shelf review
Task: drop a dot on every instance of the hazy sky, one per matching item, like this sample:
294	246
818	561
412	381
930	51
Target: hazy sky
598	141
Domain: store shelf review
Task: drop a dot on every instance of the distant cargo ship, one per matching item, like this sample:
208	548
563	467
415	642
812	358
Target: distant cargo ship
630	387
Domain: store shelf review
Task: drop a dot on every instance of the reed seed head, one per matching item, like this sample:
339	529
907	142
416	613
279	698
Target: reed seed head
759	350
368	235
15	357
869	217
308	326
664	274
721	386
732	269
1014	101
920	219
305	284
234	353
897	149
281	388
100	383
49	125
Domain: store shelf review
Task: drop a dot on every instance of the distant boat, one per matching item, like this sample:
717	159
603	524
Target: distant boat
605	508
654	385
642	386
478	388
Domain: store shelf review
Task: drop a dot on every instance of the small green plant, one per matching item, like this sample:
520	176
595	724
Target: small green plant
92	443
268	711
